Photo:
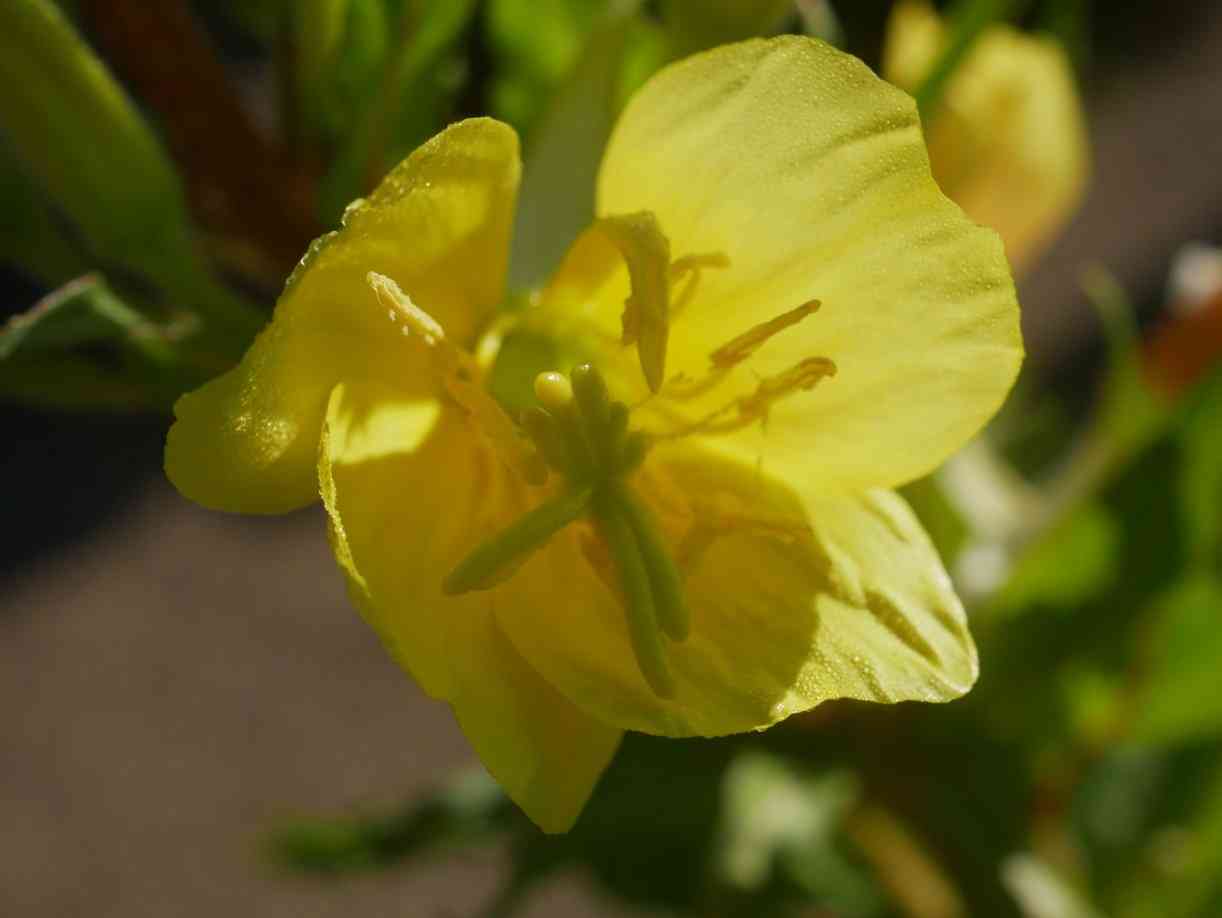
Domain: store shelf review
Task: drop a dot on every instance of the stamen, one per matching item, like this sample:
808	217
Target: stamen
735	351
750	408
646	319
460	376
694	266
739	348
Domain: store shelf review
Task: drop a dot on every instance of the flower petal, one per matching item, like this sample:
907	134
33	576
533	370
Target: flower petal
795	599
810	175
439	225
1008	143
409	490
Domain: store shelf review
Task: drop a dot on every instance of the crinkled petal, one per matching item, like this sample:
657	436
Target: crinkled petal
438	225
409	490
810	174
795	599
1008	142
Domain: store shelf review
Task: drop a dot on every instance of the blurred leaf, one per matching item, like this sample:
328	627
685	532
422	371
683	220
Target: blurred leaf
30	237
556	201
468	811
87	146
398	104
253	201
84	347
1181	701
369	36
82	312
1200	480
693	25
1173	865
772	812
319	29
259	18
1041	891
1196	889
968	19
1067	566
1130	413
535	44
941	520
820	21
647	833
646	50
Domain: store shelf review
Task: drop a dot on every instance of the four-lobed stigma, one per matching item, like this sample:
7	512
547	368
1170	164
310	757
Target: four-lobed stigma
583	435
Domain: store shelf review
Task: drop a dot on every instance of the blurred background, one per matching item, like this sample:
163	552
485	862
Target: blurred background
198	722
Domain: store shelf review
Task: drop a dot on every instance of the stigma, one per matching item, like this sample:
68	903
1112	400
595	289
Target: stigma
584	436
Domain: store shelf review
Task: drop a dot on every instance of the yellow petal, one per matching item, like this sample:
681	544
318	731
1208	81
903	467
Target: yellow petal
1008	142
409	490
439	226
795	599
809	174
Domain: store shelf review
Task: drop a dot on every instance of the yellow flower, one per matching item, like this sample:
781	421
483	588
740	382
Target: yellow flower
767	222
1008	141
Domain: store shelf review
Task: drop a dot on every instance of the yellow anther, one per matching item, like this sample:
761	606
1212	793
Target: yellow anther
401	308
689	263
746	410
694	266
646	319
460	377
799	378
554	392
739	348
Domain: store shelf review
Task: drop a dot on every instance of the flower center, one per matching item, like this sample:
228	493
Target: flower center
583	434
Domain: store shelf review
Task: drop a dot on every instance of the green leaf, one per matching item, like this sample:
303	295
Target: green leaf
969	18
693	25
467	812
30	238
1068	566
400	102
556	201
81	139
84	347
319	28
535	44
774	812
84	311
1200	480
1180	701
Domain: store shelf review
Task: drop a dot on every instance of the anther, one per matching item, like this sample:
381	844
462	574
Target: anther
739	348
801	377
